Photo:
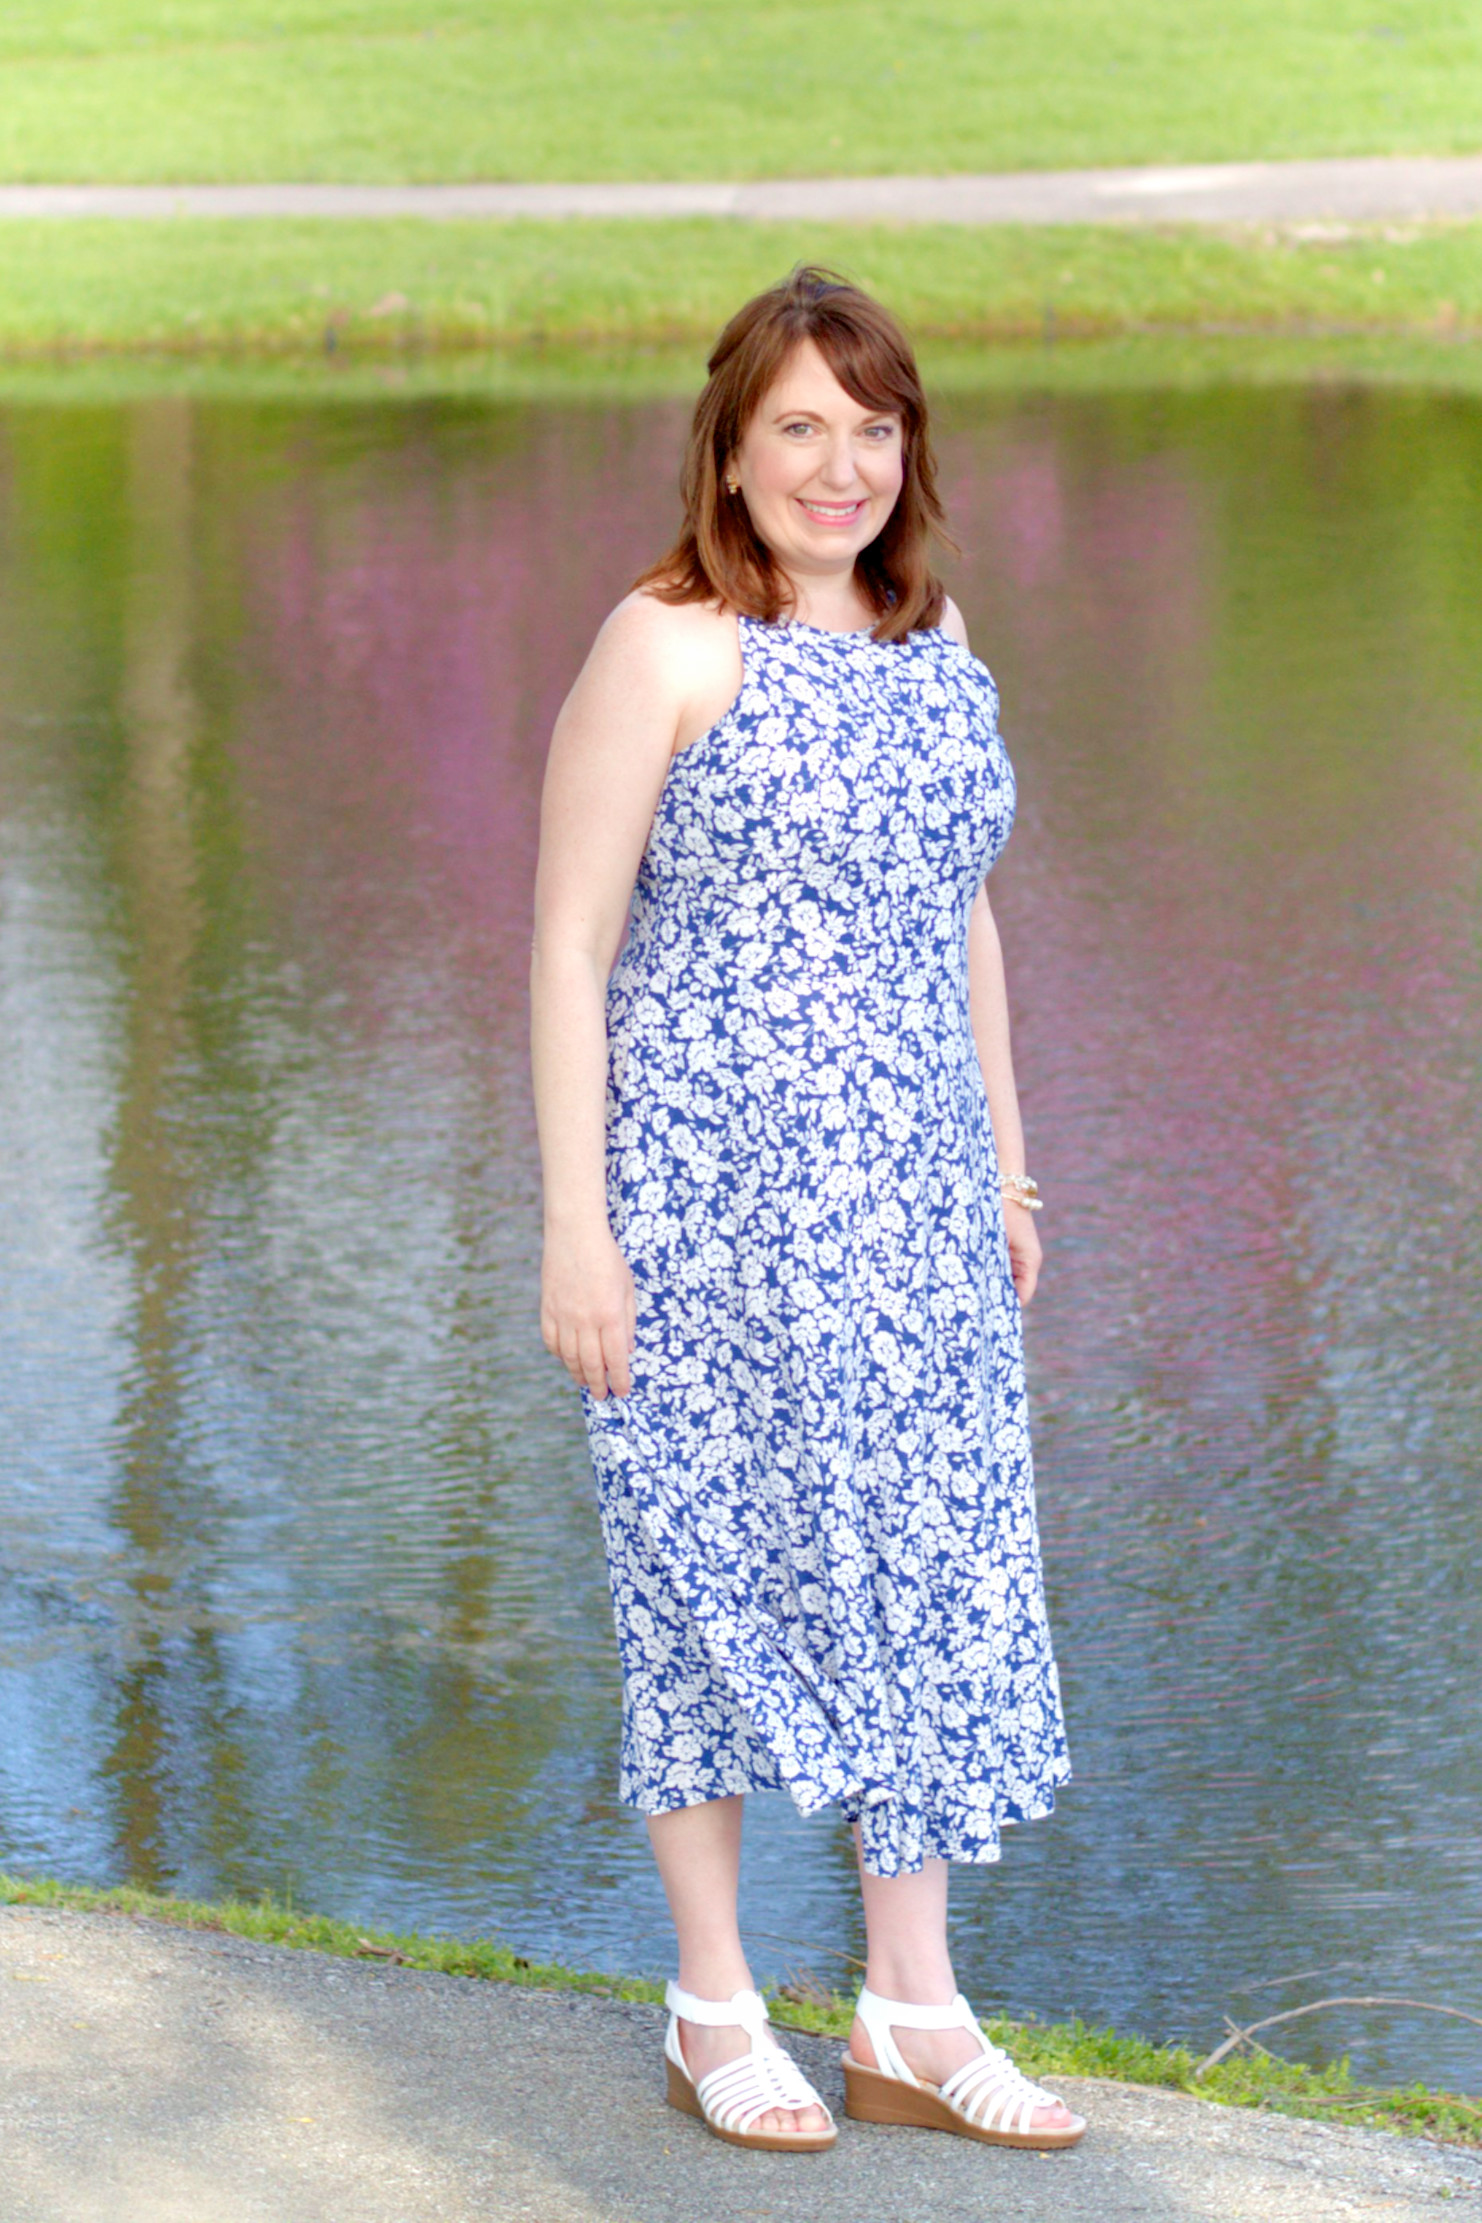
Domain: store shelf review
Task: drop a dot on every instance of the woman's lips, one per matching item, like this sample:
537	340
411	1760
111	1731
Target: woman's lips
832	513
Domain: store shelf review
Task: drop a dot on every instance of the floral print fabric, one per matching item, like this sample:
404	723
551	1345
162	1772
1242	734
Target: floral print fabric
817	1497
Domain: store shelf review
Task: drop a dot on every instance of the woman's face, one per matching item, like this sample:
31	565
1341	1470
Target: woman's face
819	473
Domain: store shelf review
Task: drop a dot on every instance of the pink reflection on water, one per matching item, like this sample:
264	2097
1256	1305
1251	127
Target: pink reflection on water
412	621
1244	967
1238	938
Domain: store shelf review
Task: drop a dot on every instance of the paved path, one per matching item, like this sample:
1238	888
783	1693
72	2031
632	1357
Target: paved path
1375	189
154	2075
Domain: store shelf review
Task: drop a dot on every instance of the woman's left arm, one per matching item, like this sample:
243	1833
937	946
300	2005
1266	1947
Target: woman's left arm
988	1003
989	1010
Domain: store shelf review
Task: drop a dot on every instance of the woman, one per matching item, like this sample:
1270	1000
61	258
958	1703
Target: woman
781	1260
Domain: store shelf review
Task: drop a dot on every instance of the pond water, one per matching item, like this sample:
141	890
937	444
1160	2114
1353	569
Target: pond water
300	1576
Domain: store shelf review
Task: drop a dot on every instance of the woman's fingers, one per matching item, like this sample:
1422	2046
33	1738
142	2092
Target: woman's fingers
616	1347
596	1355
1024	1249
581	1354
591	1361
1025	1262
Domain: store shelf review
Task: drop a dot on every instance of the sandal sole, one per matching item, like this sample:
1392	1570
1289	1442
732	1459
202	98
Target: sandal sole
682	2094
872	2097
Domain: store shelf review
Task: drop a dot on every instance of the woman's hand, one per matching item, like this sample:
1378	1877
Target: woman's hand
588	1308
1025	1253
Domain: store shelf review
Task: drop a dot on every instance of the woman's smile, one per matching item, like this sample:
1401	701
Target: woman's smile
834	513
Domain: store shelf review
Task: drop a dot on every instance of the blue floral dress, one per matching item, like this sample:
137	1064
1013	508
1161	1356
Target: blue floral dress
817	1497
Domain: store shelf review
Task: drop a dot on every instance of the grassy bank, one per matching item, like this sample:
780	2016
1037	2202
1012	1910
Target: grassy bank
1044	2049
384	288
393	89
1126	363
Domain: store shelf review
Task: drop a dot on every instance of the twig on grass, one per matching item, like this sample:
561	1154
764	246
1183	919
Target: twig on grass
770	1937
1243	2035
1266	2055
365	1951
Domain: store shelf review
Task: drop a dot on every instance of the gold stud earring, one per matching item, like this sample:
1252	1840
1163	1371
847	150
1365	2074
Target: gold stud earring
733	486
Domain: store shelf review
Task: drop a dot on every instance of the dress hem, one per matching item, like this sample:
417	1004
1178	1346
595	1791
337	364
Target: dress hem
940	1837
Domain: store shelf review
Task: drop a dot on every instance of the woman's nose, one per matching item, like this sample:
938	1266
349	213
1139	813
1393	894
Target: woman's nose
838	464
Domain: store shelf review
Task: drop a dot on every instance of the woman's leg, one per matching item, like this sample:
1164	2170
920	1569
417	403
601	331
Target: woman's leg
698	1849
908	1959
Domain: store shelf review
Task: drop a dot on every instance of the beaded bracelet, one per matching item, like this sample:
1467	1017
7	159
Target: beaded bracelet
1017	1188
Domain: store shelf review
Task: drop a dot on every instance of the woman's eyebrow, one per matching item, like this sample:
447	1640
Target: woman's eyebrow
871	417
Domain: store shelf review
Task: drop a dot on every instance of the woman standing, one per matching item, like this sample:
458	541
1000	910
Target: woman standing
787	1224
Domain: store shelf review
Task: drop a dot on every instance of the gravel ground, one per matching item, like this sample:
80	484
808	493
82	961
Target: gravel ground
155	2075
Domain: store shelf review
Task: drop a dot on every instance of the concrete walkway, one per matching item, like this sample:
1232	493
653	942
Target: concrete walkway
153	2075
1377	189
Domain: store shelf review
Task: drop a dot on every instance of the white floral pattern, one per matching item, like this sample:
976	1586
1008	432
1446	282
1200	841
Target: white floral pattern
817	1497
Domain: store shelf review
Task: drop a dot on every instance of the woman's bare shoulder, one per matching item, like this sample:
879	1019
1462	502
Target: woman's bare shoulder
953	624
656	668
643	625
682	654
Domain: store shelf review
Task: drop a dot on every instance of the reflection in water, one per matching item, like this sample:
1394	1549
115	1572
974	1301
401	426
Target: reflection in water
154	1216
300	1583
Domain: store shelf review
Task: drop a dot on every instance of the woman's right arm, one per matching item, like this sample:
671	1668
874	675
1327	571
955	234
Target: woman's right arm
609	757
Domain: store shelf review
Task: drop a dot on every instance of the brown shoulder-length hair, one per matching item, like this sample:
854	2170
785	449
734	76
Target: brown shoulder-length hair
719	556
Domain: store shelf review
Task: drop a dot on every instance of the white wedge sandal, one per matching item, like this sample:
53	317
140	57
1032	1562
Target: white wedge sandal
731	2098
987	2098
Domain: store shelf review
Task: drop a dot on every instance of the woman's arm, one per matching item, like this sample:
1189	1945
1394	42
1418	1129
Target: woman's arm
989	1009
609	757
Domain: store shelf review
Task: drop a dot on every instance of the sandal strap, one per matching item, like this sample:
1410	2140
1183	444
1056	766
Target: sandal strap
878	2013
735	2095
746	2007
995	2095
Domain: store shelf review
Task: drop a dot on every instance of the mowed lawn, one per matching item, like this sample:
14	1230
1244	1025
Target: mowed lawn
412	89
183	90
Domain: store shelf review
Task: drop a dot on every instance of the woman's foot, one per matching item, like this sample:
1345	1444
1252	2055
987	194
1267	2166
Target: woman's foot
706	2048
934	2055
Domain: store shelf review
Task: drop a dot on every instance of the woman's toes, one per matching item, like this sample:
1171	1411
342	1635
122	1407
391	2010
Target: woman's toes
785	2119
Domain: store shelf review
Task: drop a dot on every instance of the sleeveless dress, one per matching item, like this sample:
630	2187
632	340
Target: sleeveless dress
817	1497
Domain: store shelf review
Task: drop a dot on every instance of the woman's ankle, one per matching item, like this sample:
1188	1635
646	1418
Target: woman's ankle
915	1983
714	1975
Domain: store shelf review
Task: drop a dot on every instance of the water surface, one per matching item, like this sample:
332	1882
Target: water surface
300	1575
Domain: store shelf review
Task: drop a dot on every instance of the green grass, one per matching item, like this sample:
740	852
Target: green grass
383	288
390	89
1044	2049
